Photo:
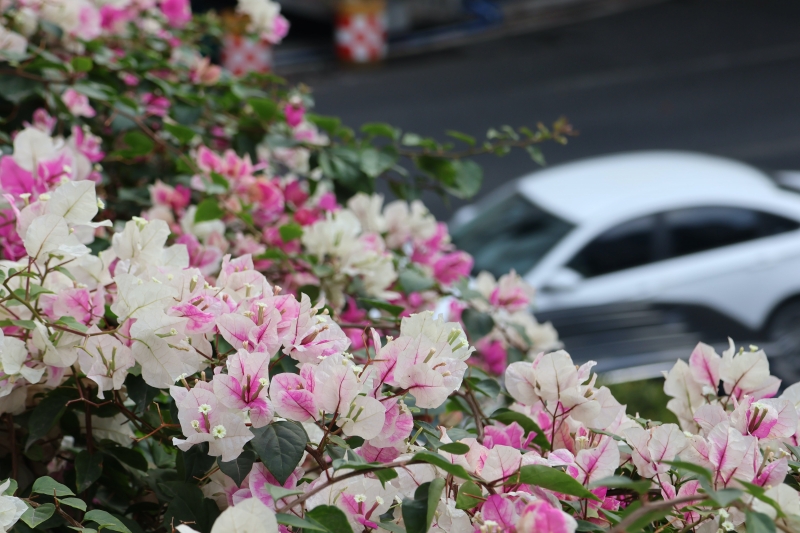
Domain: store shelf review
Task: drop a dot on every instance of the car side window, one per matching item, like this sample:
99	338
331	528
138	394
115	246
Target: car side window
698	229
627	245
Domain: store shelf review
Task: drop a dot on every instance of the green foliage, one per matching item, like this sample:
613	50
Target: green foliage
88	469
280	446
50	487
333	519
187	505
49	411
290	232
36	516
208	209
555	480
469	495
477	324
456	448
239	468
437	460
507	416
106	520
418	512
646	398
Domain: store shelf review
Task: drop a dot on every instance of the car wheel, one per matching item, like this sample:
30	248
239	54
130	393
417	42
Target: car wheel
784	333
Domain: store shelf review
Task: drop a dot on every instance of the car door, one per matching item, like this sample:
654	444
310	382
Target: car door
617	264
729	260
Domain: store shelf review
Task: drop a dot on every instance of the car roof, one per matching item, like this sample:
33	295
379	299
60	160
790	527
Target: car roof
642	181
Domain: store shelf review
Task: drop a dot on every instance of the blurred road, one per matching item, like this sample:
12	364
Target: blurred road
718	76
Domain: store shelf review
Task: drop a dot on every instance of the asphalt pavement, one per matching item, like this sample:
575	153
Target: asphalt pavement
715	76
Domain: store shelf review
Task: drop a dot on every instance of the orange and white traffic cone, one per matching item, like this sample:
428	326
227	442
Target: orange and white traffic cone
241	53
361	31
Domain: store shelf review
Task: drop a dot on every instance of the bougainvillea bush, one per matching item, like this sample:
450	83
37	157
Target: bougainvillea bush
211	322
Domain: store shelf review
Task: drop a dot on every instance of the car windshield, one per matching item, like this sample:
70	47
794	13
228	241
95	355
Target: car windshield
513	233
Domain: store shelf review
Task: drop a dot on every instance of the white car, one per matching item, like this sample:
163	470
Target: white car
673	228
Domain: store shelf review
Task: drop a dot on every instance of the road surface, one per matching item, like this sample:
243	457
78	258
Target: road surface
716	76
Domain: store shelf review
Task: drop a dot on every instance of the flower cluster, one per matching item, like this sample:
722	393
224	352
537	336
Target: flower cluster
210	322
79	21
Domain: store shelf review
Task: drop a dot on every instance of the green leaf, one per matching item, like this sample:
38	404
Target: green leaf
77	503
758	492
555	480
536	154
106	521
296	521
219	180
642	523
620	482
380	129
194	462
375	162
463	137
391	526
385	475
188	506
34	517
238	469
507	416
466	496
456	448
437	460
418	512
393	310
140	392
477	324
82	64
691	467
467	181
411	139
88	469
70	322
12	487
290	232
413	281
758	522
208	209
95	90
15	89
312	291
184	134
265	108
329	124
489	387
45	416
332	517
585	525
50	487
279	492
129	457
725	497
138	143
439	168
280	446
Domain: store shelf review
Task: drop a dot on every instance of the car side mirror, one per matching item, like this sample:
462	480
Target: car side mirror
563	280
